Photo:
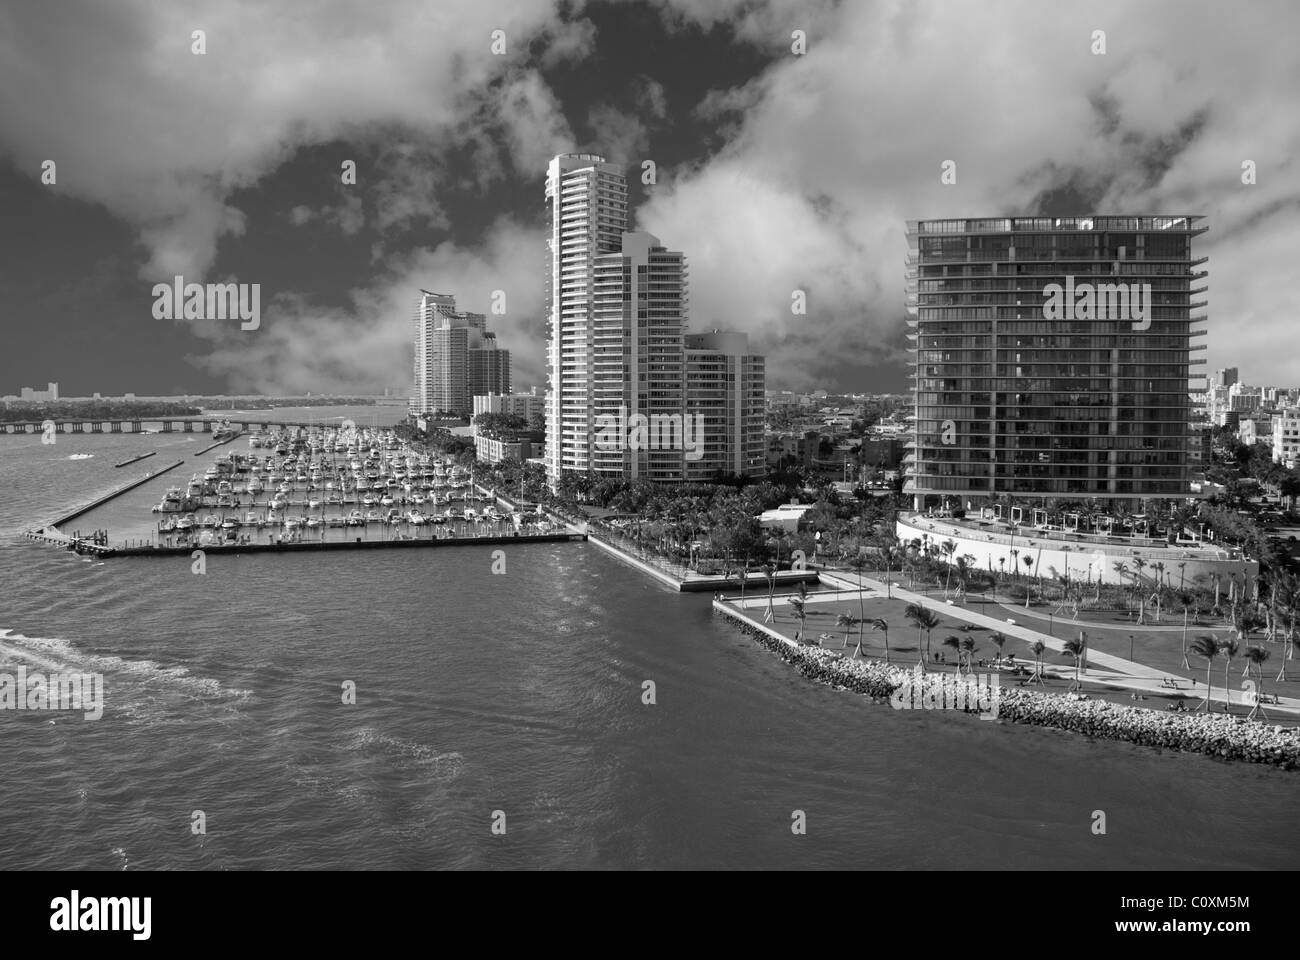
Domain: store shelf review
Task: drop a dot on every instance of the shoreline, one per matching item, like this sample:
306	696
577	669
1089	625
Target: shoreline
1216	735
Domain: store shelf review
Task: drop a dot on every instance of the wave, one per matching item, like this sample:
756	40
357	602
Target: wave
405	754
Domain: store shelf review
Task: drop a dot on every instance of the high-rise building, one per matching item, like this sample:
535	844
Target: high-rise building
587	201
639	308
1052	358
725	383
456	358
1226	377
618	308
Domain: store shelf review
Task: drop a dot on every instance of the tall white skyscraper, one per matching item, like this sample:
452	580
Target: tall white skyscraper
617	348
587	201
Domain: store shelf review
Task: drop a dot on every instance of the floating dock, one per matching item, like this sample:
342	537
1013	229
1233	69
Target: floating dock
127	463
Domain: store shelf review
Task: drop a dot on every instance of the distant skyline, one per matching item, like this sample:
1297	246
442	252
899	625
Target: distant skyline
775	171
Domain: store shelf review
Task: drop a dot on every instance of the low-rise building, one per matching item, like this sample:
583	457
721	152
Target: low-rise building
530	406
787	517
518	445
1286	437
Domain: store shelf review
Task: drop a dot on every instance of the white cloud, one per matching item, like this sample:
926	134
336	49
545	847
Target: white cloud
162	137
831	152
366	345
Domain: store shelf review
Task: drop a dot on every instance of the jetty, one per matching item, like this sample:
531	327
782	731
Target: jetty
112	494
128	462
213	446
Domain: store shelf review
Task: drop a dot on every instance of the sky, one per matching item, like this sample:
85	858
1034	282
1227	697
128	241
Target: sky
791	142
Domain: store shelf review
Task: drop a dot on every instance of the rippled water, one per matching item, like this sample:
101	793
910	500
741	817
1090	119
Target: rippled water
519	693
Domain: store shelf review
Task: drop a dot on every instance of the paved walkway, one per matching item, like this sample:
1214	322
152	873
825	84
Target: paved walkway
1099	666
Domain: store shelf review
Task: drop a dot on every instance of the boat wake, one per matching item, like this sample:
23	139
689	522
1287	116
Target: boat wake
141	690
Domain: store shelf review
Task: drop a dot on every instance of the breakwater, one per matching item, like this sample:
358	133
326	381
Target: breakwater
213	446
117	492
136	459
1217	735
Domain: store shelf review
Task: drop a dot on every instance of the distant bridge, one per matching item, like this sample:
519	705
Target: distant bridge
138	425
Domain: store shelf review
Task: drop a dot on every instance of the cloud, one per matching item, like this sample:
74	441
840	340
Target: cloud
828	154
366	345
623	135
346	215
163	137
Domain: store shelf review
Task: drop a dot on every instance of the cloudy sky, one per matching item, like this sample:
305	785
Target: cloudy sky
776	170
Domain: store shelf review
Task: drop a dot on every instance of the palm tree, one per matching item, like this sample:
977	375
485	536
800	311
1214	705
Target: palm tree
1037	647
797	603
1293	644
883	627
1075	648
1228	648
949	547
964	563
848	621
1029	588
1255	656
968	648
998	641
1207	647
769	571
926	620
857	563
1186	601
955	643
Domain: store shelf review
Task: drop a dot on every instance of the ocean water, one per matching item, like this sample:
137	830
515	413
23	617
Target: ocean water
519	693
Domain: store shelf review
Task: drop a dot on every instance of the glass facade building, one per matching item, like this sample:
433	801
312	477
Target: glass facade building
1051	358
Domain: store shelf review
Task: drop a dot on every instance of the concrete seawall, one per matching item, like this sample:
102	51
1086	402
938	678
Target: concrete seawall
356	544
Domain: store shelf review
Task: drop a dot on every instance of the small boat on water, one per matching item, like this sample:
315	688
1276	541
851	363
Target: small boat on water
210	521
186	522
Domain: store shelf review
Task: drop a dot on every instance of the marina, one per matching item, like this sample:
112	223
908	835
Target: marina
300	489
